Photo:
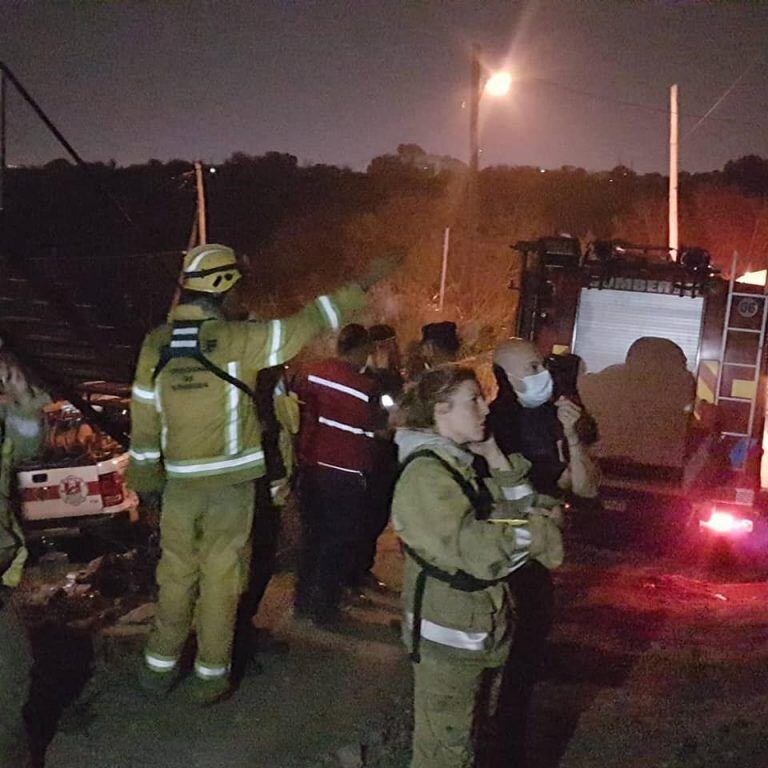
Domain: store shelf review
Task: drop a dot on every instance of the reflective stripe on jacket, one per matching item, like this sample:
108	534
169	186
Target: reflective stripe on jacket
433	516
339	413
191	424
13	553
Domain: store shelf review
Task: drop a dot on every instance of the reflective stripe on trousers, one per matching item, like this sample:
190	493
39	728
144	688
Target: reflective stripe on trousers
454	638
149	454
206	672
160	663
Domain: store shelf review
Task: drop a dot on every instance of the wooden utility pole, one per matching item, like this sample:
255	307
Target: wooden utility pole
674	243
201	223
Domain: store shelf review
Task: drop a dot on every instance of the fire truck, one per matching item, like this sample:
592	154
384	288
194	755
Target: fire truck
679	435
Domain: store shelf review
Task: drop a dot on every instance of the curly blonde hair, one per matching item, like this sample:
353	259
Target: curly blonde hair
418	401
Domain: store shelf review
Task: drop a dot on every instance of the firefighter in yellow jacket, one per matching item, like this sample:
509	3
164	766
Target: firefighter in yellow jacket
21	435
195	436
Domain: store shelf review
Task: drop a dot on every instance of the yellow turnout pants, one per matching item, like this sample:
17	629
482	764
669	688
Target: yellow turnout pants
205	538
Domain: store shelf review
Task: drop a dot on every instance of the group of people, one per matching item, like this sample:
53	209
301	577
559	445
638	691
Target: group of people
478	507
475	494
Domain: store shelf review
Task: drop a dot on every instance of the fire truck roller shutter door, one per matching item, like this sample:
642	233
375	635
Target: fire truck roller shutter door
609	321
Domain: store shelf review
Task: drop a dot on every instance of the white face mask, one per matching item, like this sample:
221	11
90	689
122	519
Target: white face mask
537	389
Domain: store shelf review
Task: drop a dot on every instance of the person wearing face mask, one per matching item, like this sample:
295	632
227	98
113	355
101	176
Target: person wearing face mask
524	419
461	538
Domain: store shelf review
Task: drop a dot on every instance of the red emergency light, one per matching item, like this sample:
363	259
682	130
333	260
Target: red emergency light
726	523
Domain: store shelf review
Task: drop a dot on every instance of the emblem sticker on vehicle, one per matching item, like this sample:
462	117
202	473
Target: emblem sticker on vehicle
73	490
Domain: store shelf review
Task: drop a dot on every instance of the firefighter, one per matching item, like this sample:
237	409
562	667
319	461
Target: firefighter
15	657
384	370
195	437
384	363
340	414
461	540
22	412
22	431
439	344
524	419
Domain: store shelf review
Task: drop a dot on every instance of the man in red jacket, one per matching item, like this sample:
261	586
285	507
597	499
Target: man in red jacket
339	416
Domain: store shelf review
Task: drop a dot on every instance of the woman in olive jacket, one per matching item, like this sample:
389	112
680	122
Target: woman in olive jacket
462	536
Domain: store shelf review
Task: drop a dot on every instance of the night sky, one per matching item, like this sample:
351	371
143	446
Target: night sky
341	82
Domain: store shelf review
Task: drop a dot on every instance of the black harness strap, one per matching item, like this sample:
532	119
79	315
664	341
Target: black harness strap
480	498
460	580
177	349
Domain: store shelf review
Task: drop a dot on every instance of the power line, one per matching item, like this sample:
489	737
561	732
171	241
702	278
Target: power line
59	136
637	105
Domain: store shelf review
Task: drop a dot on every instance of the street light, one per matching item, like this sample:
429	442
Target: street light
497	85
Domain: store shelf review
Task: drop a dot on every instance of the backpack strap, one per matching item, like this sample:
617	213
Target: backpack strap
185	344
460	580
480	498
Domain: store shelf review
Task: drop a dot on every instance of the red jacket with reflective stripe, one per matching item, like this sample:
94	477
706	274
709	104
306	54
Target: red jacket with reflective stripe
339	412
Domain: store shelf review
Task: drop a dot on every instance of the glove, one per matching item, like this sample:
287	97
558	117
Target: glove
555	514
546	540
280	490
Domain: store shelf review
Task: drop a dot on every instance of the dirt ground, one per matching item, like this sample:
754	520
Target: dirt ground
653	662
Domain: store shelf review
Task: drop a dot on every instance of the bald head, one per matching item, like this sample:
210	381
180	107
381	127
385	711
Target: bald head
524	368
518	358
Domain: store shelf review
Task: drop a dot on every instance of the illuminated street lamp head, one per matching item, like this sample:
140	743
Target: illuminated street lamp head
498	84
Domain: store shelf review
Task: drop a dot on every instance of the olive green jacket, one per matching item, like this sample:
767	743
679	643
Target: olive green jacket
433	517
23	434
24	424
521	500
188	423
13	554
